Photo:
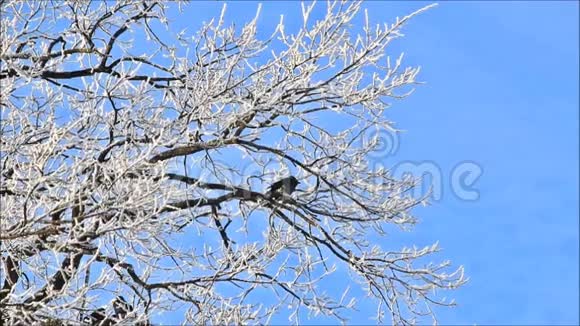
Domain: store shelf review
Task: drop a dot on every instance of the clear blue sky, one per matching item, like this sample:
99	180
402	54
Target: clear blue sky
502	91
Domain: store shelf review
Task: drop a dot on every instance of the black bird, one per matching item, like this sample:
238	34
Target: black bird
121	307
282	187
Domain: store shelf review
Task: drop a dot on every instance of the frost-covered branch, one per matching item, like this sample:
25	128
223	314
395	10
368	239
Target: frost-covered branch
135	168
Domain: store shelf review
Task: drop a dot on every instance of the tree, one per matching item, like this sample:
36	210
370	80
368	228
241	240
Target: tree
136	163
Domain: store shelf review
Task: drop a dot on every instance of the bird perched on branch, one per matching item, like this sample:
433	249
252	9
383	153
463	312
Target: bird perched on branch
283	187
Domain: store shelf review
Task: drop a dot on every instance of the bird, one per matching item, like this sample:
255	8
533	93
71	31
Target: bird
282	187
121	307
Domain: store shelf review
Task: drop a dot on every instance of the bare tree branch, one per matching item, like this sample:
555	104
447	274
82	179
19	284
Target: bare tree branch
143	173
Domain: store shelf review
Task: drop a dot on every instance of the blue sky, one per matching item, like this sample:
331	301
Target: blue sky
501	92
